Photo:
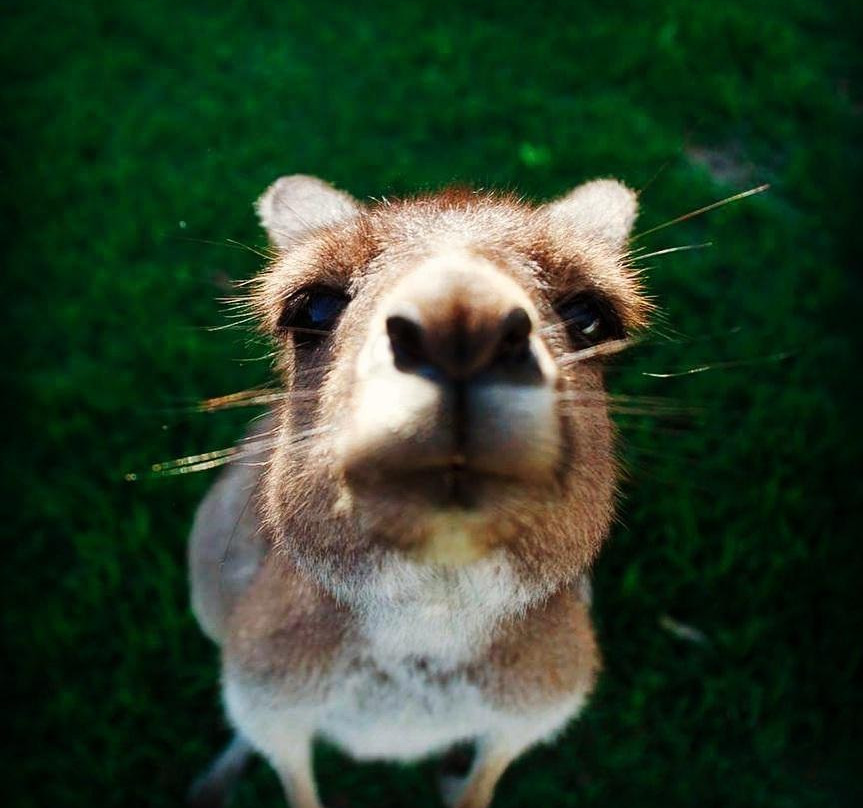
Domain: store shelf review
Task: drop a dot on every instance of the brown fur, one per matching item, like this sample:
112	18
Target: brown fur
330	511
289	626
368	255
549	652
293	627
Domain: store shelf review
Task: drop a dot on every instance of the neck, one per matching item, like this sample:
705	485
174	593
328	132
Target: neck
445	614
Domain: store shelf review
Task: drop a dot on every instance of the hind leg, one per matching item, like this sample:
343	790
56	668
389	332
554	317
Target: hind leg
282	733
502	743
213	788
493	756
293	763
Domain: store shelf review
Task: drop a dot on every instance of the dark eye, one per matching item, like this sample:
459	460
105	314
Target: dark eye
587	320
312	314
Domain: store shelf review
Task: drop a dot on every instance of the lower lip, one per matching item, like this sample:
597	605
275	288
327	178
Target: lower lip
444	487
461	488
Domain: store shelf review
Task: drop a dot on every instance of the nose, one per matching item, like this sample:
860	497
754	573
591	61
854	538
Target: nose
459	351
456	323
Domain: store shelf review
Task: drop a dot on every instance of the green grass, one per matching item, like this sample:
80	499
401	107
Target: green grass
137	132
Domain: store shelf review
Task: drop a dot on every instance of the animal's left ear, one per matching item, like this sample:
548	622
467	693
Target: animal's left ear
295	205
601	210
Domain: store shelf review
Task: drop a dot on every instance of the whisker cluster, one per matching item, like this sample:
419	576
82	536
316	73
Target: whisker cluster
253	398
609	348
241	312
251	447
733	363
699	211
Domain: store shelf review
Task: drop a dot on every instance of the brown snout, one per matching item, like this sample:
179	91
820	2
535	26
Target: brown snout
457	350
455	324
453	415
454	379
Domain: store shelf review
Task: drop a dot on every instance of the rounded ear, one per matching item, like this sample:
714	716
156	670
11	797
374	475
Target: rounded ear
294	205
600	210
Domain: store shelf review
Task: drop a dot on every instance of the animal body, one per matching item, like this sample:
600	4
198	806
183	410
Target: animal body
397	560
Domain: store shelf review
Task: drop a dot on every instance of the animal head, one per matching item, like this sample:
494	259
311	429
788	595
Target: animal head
441	358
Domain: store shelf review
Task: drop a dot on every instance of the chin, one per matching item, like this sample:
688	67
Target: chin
450	517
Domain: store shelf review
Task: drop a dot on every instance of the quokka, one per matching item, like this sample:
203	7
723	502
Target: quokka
397	558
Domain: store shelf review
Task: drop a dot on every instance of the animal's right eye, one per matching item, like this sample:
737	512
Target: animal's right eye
311	314
588	321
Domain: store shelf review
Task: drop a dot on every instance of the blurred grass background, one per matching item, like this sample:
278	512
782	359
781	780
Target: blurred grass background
135	137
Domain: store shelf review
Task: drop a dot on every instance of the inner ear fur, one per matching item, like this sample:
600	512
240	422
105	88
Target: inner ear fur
601	211
295	205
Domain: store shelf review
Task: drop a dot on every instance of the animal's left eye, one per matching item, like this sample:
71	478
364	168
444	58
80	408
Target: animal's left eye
312	313
587	320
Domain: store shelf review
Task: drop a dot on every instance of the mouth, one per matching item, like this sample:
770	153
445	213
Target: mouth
454	485
448	508
457	479
459	485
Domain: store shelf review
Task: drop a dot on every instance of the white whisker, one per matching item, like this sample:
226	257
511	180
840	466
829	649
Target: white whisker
713	206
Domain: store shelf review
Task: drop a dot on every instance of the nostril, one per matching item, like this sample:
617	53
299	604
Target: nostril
515	331
406	339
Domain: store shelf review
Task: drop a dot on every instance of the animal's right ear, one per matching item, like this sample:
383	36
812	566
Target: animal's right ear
601	210
292	206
